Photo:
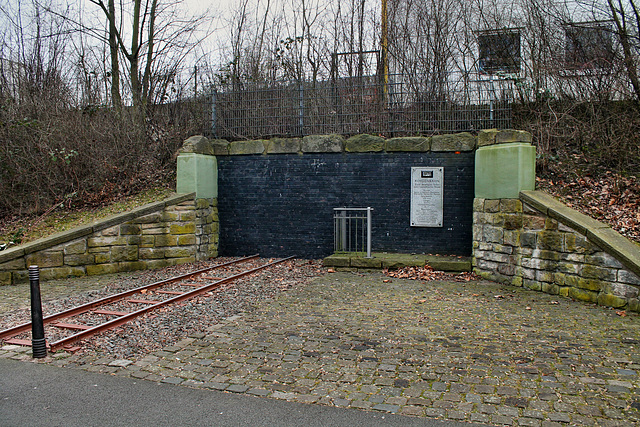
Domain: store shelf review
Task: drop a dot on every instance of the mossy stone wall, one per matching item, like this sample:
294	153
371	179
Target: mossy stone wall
178	230
538	243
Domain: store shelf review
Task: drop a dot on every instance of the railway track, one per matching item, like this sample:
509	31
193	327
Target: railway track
87	320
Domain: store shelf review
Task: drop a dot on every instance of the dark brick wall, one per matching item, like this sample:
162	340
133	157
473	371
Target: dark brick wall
279	205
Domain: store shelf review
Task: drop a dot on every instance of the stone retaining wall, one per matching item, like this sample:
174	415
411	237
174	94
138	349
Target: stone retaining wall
277	196
178	230
538	243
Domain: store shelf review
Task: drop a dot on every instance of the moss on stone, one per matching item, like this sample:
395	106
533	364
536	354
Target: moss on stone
453	142
364	144
583	295
609	300
239	148
284	146
415	143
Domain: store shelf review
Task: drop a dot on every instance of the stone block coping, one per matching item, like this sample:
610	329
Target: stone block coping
362	143
381	260
612	242
85	230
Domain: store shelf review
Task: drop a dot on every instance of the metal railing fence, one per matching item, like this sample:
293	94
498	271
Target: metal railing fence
352	230
348	106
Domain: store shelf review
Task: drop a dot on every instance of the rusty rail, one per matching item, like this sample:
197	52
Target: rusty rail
124	319
17	330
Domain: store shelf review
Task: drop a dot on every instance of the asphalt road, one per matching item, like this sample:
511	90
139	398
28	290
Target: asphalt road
33	394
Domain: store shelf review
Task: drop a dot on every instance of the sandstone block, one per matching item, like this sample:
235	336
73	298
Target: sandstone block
284	146
609	300
364	143
79	259
75	248
453	142
415	143
322	144
188	228
238	148
45	259
583	295
124	253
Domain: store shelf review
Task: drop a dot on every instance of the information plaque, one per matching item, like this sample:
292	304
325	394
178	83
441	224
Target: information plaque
427	186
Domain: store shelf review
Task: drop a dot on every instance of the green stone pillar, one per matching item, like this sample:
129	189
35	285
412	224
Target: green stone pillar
503	170
197	173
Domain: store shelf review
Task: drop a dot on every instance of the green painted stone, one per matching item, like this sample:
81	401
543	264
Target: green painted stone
364	143
323	144
453	142
197	173
414	143
502	171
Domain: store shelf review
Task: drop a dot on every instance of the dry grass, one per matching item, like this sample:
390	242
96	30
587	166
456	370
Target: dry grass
22	230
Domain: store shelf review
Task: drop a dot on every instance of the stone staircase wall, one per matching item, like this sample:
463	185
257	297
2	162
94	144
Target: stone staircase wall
178	230
539	243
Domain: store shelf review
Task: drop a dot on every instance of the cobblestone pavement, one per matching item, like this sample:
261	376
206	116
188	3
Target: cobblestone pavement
473	351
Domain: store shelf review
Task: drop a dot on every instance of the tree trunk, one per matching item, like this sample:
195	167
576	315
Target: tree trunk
116	98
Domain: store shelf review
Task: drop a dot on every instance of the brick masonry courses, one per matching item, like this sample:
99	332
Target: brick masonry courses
277	196
537	243
174	231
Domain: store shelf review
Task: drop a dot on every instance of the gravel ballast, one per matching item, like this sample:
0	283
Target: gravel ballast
167	325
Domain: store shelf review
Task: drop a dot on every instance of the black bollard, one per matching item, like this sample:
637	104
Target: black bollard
38	343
